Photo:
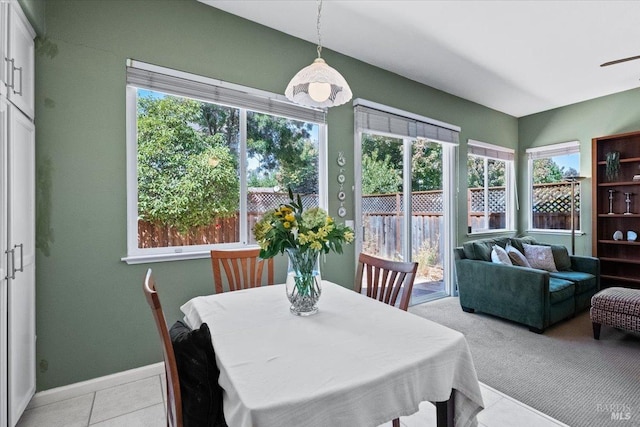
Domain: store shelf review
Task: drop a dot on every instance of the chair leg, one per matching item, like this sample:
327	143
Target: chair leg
396	422
596	330
467	309
536	330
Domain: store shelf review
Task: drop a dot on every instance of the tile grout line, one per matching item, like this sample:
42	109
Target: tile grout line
523	406
93	402
125	413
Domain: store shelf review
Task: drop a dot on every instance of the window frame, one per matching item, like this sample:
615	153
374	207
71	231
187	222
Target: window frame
284	108
489	151
549	151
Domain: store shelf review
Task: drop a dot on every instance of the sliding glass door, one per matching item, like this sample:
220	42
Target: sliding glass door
427	219
381	198
405	193
400	175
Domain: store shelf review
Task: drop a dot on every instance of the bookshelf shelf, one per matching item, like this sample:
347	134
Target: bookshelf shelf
619	259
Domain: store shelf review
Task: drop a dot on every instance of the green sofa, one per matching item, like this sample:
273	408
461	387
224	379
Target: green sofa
533	297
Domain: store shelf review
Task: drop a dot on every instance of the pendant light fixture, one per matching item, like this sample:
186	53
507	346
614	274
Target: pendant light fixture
318	85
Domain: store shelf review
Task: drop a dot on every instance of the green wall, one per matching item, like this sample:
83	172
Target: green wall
92	319
583	121
34	10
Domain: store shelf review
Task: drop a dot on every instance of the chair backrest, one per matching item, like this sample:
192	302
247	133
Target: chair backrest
243	269
174	399
385	279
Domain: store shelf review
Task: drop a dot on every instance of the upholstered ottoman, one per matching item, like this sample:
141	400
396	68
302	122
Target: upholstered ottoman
616	307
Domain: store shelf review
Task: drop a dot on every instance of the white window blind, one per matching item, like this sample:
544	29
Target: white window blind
562	149
484	149
378	118
174	82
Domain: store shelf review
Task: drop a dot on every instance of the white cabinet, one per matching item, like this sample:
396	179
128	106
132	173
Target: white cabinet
3	262
19	59
21	336
4	32
17	214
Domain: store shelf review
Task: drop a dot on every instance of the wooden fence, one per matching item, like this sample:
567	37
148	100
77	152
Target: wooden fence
383	215
383	235
152	235
221	231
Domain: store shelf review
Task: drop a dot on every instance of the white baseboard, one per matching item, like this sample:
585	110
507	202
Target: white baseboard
78	389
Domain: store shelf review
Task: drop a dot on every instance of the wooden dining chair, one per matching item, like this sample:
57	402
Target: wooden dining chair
243	269
385	279
174	399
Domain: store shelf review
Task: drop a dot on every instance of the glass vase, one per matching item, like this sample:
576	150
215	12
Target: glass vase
303	281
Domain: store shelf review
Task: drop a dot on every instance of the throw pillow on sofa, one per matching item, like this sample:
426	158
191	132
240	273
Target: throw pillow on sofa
517	257
500	256
478	249
561	257
540	257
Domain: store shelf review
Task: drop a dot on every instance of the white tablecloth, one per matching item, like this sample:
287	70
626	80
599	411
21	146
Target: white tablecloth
357	362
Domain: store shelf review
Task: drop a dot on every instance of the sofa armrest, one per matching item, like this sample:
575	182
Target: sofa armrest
586	264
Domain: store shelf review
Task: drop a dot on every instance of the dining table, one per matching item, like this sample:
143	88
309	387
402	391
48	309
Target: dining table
356	362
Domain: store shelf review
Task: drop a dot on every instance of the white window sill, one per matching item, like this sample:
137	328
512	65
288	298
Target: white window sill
556	232
180	256
144	259
490	233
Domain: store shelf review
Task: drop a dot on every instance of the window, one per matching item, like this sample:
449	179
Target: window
205	160
550	171
490	187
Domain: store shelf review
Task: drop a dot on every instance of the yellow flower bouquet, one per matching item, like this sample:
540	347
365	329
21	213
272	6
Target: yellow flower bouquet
303	235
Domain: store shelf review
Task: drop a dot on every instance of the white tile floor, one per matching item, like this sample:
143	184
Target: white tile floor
141	404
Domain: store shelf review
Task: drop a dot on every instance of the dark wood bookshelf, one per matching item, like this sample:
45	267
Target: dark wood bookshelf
618	242
636	282
619	215
619	259
617	184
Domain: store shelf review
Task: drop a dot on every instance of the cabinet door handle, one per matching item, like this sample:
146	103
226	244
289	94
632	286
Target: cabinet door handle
13	81
11	259
13	70
21	269
10	72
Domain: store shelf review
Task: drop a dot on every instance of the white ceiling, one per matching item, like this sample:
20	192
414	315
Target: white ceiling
518	57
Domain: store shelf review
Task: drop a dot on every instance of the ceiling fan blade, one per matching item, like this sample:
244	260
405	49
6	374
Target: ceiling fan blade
617	61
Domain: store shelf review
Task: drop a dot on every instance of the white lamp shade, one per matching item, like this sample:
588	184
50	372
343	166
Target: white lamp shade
318	85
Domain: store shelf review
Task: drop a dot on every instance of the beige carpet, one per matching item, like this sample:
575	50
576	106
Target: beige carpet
564	373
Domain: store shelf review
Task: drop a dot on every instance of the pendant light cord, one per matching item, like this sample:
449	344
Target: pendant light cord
318	28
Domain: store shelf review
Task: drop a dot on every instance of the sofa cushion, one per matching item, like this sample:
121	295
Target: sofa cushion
501	241
516	257
584	281
500	256
540	256
518	242
561	257
560	290
478	249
